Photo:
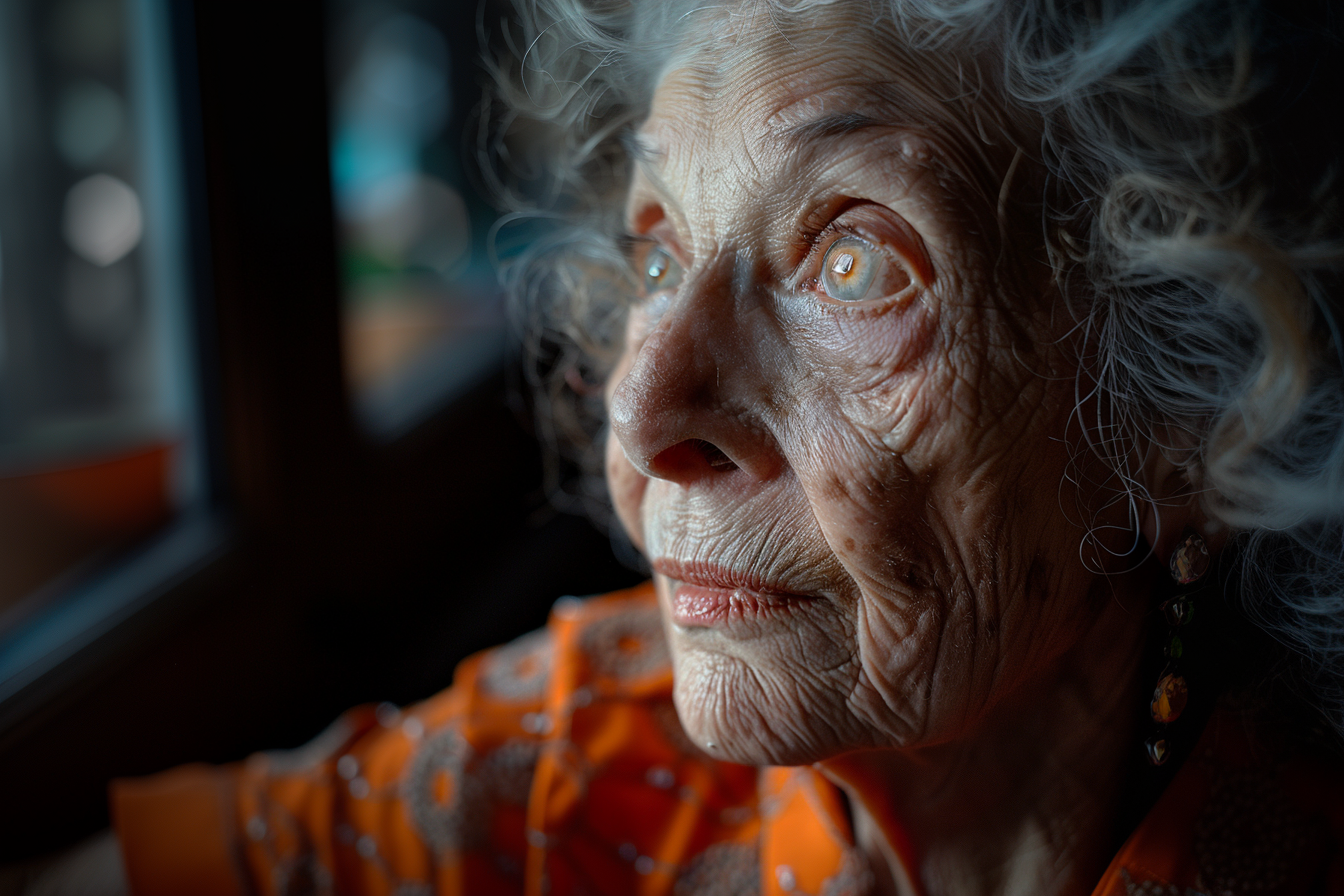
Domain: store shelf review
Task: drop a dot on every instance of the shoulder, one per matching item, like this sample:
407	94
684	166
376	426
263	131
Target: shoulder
554	763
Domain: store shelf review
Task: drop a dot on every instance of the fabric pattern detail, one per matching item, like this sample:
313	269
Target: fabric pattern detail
1155	888
1249	838
724	869
627	645
518	671
295	870
855	877
450	792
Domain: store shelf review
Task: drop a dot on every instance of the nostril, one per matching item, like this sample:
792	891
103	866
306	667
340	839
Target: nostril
714	455
690	459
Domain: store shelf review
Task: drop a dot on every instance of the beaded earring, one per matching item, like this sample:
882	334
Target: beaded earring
1189	561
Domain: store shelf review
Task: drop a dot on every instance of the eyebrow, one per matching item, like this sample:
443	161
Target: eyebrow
645	157
802	142
827	127
637	147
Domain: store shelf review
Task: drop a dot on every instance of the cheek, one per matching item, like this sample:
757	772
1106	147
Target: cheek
863	365
627	486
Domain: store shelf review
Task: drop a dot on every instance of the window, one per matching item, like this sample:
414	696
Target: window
301	545
103	480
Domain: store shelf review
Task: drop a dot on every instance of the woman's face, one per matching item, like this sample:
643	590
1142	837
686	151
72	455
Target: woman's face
840	422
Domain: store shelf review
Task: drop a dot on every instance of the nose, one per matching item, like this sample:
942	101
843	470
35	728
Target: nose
691	405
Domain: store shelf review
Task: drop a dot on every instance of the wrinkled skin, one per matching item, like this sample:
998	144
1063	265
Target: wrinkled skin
899	458
902	462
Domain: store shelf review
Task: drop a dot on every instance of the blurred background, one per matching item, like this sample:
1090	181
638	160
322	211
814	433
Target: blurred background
263	454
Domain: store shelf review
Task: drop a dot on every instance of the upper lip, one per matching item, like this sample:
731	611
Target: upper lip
711	575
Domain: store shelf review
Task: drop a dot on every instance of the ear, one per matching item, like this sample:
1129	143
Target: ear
1173	506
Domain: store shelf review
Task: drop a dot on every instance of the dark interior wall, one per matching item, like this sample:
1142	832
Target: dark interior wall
353	571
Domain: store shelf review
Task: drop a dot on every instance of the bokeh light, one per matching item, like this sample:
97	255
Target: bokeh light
102	219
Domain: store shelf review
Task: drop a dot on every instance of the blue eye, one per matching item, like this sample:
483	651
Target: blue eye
849	268
661	271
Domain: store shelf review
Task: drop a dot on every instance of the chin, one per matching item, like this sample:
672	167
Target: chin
754	715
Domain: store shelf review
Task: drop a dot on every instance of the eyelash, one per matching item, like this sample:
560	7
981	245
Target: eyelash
633	245
817	246
833	231
637	248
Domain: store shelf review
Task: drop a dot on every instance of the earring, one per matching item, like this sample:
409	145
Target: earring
1188	563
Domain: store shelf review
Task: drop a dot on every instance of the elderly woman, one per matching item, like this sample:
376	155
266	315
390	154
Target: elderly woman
972	376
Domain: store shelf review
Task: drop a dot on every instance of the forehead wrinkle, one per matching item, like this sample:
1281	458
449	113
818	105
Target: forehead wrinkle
654	142
781	162
805	144
798	126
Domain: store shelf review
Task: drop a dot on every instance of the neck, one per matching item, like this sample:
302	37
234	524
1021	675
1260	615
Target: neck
1027	802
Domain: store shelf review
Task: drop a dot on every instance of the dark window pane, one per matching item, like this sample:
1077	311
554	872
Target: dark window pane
98	400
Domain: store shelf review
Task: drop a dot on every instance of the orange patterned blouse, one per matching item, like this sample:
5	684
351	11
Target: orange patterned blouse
556	765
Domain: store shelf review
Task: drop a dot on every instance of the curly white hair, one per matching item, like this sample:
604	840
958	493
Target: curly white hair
1189	220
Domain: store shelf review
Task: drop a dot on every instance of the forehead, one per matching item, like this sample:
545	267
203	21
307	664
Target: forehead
780	69
757	59
770	85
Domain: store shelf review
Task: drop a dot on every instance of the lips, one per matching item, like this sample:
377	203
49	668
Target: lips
709	596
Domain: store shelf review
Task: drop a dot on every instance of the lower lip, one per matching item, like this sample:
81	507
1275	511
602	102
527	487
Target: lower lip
700	606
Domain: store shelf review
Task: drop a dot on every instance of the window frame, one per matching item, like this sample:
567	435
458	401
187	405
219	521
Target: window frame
332	567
